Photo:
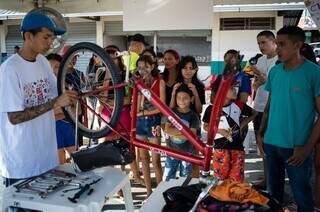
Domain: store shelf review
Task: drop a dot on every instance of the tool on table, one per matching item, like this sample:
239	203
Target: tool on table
44	184
82	190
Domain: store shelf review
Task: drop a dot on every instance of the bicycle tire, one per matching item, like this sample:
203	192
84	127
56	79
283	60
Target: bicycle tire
115	76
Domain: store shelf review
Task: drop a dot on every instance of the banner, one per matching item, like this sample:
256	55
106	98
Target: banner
313	7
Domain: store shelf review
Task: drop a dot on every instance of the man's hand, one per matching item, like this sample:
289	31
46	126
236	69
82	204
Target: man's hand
259	141
66	99
300	154
58	113
259	77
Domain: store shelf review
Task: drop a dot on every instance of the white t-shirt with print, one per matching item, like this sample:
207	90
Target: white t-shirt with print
29	148
234	112
264	65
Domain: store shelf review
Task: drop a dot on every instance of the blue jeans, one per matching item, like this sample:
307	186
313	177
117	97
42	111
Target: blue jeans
172	166
299	177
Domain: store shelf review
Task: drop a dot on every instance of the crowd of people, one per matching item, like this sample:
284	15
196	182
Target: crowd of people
284	85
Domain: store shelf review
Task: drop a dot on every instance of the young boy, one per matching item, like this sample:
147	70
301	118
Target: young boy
228	154
176	139
64	129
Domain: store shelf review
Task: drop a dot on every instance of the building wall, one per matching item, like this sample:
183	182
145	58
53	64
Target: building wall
198	43
242	40
187	43
79	30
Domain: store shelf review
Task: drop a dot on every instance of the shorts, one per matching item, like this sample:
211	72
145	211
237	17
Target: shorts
65	134
172	165
149	126
228	164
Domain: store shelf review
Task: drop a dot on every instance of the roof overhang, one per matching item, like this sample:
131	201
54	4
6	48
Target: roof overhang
8	14
16	9
258	7
11	9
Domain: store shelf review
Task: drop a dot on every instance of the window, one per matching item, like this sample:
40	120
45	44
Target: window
259	23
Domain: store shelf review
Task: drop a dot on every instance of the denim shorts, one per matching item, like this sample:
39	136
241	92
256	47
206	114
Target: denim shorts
147	126
173	165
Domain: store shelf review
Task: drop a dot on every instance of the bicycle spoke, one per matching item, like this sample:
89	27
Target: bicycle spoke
98	85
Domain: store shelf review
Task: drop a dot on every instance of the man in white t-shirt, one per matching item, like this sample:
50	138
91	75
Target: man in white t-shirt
267	46
28	93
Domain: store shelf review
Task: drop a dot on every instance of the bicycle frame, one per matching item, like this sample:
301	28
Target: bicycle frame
205	149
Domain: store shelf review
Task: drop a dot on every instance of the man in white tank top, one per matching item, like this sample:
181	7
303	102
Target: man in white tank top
267	46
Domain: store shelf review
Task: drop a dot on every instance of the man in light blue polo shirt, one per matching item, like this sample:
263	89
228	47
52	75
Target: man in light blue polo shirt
288	129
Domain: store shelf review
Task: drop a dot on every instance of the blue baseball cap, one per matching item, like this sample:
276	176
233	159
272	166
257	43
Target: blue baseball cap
36	20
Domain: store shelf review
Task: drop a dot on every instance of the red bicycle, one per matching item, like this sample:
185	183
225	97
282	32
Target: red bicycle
104	88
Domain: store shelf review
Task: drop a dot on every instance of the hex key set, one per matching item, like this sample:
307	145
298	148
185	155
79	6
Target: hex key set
45	184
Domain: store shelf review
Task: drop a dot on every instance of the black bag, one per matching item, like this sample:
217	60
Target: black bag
181	198
105	154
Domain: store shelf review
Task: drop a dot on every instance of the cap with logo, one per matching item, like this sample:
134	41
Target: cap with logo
35	20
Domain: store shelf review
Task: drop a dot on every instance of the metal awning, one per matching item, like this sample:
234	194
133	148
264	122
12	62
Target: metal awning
258	7
11	9
10	14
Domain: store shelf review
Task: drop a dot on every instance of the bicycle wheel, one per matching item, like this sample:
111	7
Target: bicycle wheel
89	70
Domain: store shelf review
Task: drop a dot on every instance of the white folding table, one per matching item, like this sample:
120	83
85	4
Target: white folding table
112	181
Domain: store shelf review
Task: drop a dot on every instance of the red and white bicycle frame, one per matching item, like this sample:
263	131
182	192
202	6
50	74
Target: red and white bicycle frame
205	148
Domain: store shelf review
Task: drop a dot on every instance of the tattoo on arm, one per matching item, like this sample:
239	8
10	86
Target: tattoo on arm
30	113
